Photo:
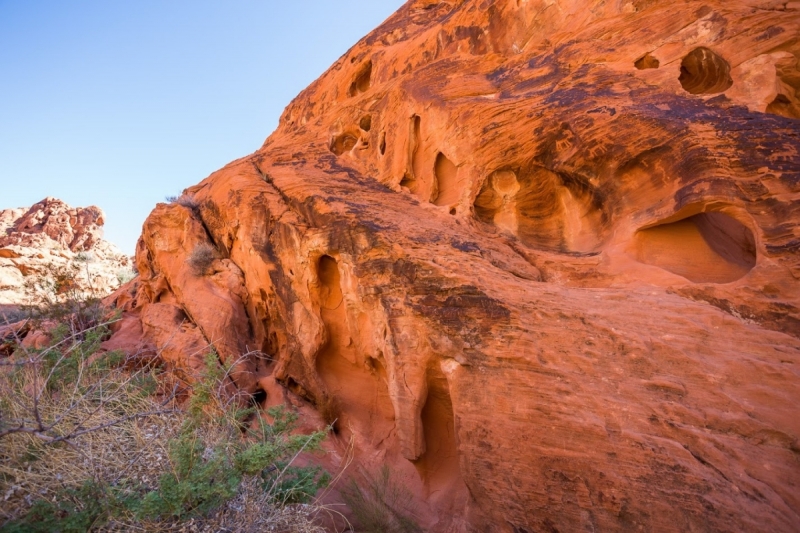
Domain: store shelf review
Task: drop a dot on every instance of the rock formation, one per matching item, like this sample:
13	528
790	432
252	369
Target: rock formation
538	256
50	236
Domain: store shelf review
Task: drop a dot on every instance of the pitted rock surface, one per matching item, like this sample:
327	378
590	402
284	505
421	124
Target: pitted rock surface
538	256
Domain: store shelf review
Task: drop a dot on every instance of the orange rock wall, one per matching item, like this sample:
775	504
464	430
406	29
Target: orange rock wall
541	257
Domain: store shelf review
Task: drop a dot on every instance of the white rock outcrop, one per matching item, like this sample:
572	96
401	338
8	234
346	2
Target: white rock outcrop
51	236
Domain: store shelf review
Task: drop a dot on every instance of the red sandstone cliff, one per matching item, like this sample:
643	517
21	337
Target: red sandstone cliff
539	256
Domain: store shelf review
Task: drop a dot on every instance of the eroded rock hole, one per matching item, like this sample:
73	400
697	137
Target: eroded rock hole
703	248
365	123
408	181
414	157
705	72
259	397
646	61
782	105
439	466
343	143
362	80
414	144
382	145
357	396
330	294
494	204
446	188
787	102
543	209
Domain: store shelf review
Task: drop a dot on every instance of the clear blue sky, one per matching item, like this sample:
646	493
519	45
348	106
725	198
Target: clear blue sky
121	103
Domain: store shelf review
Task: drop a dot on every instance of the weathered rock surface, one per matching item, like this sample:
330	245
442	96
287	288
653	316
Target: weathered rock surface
541	257
50	236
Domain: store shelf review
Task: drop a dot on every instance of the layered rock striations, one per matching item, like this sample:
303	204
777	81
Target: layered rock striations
51	236
540	257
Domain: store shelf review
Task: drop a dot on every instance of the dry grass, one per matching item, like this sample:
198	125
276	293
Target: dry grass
382	505
101	421
186	200
104	426
87	438
254	510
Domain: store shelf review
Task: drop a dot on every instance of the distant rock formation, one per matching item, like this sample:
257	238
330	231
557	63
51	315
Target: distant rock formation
52	235
540	257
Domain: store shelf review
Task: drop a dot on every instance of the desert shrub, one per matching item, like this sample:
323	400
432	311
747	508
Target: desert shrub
125	274
83	508
294	484
102	421
382	506
90	442
56	294
186	200
71	415
215	452
73	422
201	258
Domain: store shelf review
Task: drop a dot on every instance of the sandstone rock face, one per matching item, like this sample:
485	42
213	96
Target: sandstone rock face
51	235
538	256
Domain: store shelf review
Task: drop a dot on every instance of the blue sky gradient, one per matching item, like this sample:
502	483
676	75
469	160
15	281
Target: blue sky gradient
119	104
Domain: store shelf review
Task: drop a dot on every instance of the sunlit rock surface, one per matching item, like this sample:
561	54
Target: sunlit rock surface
540	257
51	237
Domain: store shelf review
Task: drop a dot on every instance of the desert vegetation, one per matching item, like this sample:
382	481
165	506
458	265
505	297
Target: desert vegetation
186	200
382	504
99	440
125	274
201	258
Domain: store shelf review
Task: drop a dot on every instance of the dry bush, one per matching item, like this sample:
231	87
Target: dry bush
383	505
126	274
201	258
99	448
9	314
75	425
64	294
253	510
186	200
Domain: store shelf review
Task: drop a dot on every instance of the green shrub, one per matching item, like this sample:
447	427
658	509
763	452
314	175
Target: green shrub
293	484
215	451
84	508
